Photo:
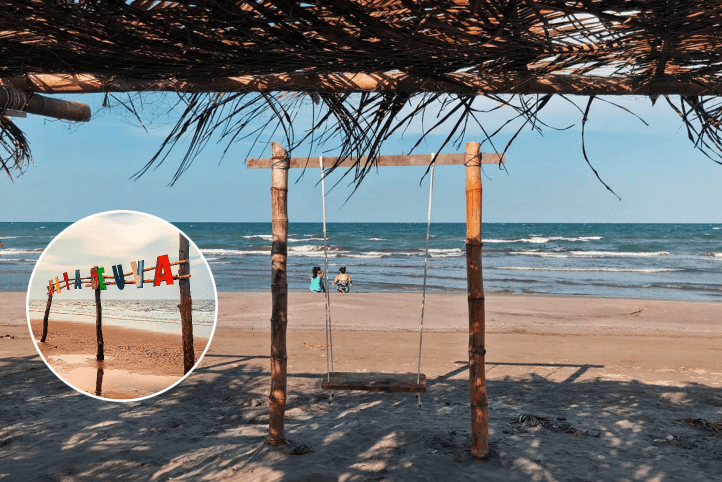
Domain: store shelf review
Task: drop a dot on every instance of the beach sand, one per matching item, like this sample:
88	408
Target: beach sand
137	363
612	377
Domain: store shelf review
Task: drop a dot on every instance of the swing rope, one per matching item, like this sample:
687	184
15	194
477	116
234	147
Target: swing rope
329	337
426	264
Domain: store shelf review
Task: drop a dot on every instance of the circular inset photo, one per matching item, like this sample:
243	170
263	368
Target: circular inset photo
122	305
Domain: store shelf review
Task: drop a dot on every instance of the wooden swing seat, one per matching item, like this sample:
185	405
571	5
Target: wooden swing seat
375	382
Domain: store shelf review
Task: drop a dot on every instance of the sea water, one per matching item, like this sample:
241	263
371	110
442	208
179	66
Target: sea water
653	261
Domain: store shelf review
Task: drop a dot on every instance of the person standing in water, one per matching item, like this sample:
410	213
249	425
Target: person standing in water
342	281
316	281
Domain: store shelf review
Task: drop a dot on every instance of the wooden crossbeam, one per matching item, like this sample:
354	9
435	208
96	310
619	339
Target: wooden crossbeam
411	160
462	83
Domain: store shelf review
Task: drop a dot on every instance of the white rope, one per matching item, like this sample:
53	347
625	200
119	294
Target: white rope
329	337
426	264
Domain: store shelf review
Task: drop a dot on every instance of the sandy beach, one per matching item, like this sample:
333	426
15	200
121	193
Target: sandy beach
579	389
137	363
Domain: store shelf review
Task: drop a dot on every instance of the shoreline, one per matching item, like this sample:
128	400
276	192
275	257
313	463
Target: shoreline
503	293
164	321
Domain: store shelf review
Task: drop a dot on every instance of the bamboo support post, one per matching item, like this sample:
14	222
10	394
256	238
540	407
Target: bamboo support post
47	315
279	295
475	284
99	323
186	304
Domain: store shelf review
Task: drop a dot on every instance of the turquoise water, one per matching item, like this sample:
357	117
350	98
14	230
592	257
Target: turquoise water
656	261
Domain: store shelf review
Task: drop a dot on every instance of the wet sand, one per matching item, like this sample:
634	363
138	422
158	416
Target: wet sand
579	389
137	363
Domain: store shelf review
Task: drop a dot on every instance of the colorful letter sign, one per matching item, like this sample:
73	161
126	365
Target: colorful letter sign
101	279
94	278
162	271
162	268
138	272
118	275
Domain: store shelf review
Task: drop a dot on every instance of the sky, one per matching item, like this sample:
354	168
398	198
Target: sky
84	169
118	238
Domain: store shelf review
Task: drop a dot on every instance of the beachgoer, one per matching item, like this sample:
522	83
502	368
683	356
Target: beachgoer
342	281
316	281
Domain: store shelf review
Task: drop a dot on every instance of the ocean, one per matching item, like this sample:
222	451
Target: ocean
646	261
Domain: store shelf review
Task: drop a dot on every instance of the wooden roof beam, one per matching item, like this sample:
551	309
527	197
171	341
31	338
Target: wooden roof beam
457	83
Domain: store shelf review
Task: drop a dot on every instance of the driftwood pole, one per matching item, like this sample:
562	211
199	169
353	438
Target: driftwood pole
98	317
186	304
47	314
279	295
477	349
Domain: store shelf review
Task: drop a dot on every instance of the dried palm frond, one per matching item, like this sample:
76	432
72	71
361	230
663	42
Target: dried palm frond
17	155
492	47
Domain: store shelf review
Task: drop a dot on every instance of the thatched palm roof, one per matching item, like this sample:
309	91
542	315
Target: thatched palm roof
408	52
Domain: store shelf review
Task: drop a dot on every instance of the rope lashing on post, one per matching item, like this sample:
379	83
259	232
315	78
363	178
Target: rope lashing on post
14	100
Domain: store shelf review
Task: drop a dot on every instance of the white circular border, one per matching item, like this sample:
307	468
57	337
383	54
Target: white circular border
121	400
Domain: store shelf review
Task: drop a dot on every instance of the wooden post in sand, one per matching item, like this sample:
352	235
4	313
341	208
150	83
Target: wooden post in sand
47	314
186	304
99	382
475	295
98	318
279	295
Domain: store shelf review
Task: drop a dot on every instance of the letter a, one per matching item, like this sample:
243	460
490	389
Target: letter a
162	271
51	288
118	275
57	284
138	272
78	282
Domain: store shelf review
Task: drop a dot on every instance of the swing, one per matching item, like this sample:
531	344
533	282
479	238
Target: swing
374	381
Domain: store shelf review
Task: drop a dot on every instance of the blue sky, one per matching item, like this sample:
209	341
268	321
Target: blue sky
83	169
117	238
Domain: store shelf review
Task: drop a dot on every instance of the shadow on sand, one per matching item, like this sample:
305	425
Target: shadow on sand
214	426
